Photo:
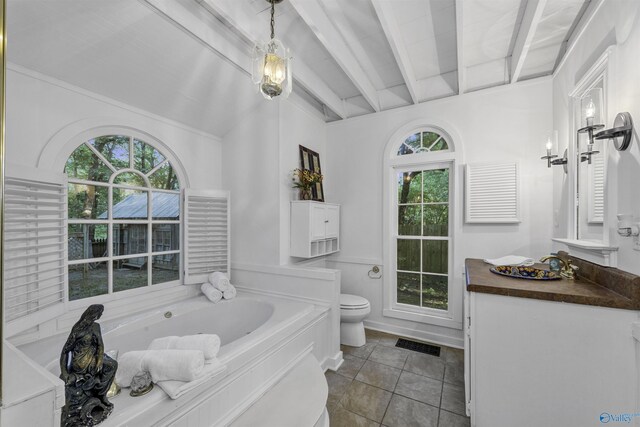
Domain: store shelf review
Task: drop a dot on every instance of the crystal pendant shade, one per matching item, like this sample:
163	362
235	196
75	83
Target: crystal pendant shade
272	69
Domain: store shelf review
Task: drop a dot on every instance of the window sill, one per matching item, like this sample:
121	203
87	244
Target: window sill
432	319
596	252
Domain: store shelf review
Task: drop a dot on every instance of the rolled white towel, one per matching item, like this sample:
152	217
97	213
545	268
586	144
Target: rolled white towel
230	293
208	344
163	365
212	293
219	280
511	260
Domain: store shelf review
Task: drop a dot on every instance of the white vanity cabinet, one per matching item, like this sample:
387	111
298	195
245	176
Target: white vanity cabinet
534	363
315	228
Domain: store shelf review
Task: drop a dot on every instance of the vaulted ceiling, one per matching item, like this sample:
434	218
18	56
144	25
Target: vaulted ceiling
189	60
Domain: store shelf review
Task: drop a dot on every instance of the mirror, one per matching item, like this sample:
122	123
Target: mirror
590	155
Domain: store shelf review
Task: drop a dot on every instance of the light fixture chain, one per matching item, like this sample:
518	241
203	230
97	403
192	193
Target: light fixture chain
273	21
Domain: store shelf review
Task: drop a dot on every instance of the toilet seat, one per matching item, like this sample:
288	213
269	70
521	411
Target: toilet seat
353	302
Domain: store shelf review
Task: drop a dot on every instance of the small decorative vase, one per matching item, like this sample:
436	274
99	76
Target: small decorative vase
305	194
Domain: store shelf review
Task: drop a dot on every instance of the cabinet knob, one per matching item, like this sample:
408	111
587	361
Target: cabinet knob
326	221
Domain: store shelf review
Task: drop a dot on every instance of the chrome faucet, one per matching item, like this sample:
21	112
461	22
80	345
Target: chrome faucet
567	271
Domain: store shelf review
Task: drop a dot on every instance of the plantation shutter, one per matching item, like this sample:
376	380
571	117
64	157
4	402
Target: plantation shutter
491	193
206	246
35	246
595	190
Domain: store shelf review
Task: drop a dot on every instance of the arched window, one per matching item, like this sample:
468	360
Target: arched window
123	217
420	167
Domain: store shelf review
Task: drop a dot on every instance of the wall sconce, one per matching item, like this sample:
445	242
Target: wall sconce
626	226
590	112
551	158
620	133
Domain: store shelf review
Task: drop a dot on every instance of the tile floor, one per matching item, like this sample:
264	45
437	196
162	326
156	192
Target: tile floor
380	384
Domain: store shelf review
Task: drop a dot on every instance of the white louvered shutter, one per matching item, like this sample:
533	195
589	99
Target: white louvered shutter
206	245
595	197
35	246
491	194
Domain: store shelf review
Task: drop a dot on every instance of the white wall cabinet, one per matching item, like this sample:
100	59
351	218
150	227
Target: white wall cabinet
315	228
539	363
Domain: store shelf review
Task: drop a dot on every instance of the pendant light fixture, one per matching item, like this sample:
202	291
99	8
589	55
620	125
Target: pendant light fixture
271	69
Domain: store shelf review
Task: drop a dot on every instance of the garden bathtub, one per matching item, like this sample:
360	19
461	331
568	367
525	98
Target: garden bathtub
262	337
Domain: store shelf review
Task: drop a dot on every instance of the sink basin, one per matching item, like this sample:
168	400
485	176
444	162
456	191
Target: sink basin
519	272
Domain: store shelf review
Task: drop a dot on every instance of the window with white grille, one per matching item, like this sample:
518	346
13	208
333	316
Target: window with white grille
123	217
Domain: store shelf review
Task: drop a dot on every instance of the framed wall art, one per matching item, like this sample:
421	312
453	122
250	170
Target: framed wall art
310	160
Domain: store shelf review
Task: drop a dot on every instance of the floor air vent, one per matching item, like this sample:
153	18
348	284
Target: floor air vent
420	347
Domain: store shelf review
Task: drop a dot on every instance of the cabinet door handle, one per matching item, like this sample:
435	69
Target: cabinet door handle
326	221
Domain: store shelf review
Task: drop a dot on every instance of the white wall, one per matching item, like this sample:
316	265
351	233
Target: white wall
40	109
259	156
502	124
616	23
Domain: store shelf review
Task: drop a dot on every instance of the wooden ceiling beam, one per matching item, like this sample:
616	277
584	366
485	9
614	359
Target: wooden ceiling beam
316	18
526	33
462	71
384	10
185	15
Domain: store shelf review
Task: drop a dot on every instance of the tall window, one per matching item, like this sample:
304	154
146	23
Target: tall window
422	261
420	227
124	217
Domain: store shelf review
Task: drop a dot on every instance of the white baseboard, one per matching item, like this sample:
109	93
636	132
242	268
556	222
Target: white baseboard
456	342
332	363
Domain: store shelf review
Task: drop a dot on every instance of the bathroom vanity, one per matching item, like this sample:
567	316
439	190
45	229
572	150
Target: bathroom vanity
550	353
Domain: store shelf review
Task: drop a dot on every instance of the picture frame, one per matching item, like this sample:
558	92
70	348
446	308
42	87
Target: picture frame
310	160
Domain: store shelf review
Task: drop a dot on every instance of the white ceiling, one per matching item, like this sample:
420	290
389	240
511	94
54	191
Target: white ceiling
188	60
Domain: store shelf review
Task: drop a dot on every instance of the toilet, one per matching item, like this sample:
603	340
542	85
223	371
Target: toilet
353	310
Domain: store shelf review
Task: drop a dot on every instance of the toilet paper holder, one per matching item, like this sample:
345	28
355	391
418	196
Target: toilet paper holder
374	270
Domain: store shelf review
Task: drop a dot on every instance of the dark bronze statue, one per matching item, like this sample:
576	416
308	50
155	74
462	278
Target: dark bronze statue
87	372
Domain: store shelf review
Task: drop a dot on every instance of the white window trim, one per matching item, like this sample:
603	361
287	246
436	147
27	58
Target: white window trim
392	163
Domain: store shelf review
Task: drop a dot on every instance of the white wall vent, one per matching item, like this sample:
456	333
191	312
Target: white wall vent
206	246
491	193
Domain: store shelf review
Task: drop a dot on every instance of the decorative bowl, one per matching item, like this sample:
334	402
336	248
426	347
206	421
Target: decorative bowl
520	272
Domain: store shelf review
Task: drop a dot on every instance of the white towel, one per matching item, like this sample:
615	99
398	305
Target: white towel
219	280
511	260
208	344
175	389
163	365
230	293
212	293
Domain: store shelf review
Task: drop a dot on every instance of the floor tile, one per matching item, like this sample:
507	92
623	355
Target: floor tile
403	412
338	385
379	375
381	338
366	400
454	374
362	352
453	356
453	399
424	364
418	387
350	366
448	419
389	356
343	418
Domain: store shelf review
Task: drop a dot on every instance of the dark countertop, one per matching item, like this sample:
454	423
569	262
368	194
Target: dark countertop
578	291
